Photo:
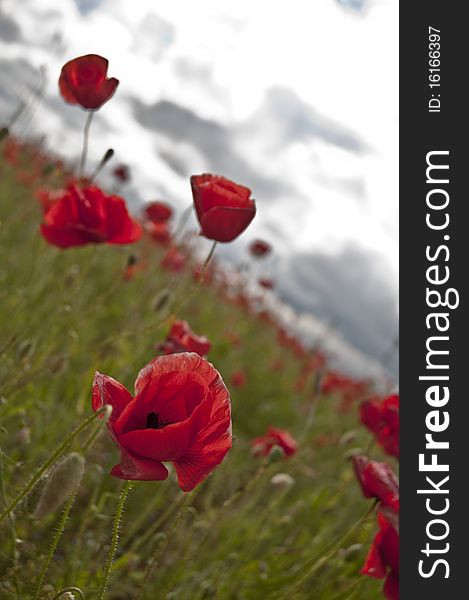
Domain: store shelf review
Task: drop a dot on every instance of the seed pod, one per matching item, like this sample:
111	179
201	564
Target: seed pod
60	484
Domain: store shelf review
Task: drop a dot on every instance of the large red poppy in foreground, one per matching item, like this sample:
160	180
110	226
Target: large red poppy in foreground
224	208
181	414
84	81
82	216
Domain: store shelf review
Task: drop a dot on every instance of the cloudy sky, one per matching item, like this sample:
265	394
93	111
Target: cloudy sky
297	100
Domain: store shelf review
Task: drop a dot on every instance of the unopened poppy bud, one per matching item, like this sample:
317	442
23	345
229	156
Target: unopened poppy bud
62	481
4	133
25	349
352	552
161	300
107	155
282	480
276	454
349	436
352	452
132	260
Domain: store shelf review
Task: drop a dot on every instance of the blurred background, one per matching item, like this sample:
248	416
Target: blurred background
297	100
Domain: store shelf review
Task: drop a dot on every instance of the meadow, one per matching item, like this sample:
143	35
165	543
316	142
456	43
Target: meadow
271	524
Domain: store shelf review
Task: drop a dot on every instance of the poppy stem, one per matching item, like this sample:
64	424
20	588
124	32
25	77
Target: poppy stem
84	151
53	545
208	259
11	523
115	538
104	411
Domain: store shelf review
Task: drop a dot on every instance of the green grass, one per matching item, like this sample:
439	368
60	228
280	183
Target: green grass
65	314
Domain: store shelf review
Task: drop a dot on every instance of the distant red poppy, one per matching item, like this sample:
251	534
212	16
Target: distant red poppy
181	338
82	216
84	81
238	379
377	480
159	233
224	208
382	560
382	418
173	260
259	248
122	173
263	445
180	414
267	284
158	212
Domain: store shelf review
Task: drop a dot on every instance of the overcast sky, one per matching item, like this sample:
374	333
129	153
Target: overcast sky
297	100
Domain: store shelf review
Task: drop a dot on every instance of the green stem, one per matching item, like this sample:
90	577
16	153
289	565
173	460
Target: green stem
12	530
53	458
152	563
115	538
84	151
53	546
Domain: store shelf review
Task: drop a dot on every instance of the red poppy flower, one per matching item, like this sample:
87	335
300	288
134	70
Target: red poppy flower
381	417
159	233
263	445
180	414
84	216
377	480
181	338
238	379
84	81
224	208
173	260
382	560
259	248
122	173
158	212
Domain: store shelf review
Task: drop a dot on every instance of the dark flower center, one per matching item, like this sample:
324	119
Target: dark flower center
153	421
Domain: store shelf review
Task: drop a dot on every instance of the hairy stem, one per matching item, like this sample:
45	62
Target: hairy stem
115	538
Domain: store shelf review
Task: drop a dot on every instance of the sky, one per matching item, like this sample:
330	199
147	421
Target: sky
297	100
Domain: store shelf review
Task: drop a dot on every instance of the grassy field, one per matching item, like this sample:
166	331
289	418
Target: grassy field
66	314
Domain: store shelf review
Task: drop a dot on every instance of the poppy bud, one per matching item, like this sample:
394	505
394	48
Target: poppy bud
282	480
348	437
62	481
132	260
161	300
352	552
276	454
4	133
25	349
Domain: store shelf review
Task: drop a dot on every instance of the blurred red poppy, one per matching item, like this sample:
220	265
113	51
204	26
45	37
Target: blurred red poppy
181	338
84	81
238	379
377	480
173	260
158	212
382	560
263	445
224	208
181	414
259	248
381	417
122	173
82	216
159	233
